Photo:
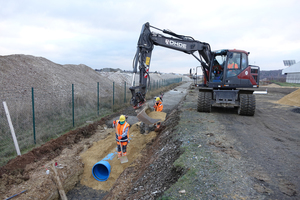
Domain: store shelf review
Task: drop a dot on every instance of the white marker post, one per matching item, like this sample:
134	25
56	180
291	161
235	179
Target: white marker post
261	92
11	129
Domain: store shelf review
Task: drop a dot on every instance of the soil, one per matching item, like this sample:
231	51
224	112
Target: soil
217	155
292	99
107	146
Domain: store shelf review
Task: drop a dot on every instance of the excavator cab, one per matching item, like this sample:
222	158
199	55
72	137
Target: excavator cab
230	69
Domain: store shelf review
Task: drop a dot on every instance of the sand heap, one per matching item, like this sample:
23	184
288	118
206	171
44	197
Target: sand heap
292	99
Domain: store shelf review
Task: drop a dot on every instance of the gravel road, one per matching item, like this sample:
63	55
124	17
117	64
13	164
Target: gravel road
240	157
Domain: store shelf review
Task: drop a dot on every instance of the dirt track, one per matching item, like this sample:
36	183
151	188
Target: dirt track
217	155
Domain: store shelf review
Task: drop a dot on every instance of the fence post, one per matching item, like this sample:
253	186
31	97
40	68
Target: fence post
73	105
13	134
98	103
113	95
33	116
125	93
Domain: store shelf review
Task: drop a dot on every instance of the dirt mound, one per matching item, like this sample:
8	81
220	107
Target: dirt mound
21	72
292	99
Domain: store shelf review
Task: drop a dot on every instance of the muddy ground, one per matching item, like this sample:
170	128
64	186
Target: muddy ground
217	155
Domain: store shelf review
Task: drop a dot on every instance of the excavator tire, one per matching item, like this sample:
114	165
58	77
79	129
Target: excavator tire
247	105
204	102
252	104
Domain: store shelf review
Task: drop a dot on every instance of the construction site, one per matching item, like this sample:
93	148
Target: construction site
217	155
166	100
228	138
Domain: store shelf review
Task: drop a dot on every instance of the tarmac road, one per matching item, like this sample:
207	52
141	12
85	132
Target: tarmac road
173	97
170	100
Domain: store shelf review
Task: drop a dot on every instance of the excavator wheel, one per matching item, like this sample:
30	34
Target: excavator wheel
204	102
247	104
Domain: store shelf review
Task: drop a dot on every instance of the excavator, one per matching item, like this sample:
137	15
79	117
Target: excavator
229	81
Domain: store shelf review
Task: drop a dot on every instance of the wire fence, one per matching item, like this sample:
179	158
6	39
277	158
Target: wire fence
41	114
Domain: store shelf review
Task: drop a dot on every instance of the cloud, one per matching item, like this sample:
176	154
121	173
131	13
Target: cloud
105	33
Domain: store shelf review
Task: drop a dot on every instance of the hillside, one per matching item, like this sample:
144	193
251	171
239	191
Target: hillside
272	75
21	72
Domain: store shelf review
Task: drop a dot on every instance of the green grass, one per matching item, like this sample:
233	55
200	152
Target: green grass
286	84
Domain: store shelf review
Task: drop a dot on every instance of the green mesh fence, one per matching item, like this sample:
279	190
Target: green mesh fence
41	114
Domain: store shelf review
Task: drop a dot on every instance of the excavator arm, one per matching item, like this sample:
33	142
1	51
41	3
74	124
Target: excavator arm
145	46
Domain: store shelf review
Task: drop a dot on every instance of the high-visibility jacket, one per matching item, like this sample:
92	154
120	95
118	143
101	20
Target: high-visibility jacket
232	66
158	106
122	130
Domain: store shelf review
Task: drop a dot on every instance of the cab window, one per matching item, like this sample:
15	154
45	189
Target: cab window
234	64
244	61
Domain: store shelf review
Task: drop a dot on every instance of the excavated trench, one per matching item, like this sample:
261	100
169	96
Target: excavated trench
148	176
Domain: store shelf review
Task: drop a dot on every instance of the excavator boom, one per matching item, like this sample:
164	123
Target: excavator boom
145	46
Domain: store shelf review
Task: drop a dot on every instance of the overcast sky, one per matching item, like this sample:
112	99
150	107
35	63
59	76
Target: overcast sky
103	33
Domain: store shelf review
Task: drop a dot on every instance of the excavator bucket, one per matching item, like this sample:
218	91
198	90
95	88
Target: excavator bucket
143	116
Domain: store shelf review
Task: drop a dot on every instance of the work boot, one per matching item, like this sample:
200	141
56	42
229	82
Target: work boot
119	154
124	154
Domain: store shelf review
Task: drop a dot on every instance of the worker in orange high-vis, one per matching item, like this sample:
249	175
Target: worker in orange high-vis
158	107
122	134
232	67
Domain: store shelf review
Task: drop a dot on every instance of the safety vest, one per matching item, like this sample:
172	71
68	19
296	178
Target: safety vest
233	65
158	107
122	130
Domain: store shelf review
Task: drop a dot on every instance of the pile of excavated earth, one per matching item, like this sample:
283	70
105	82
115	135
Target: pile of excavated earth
21	72
292	99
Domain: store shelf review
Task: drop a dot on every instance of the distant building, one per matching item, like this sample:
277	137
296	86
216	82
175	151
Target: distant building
293	73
